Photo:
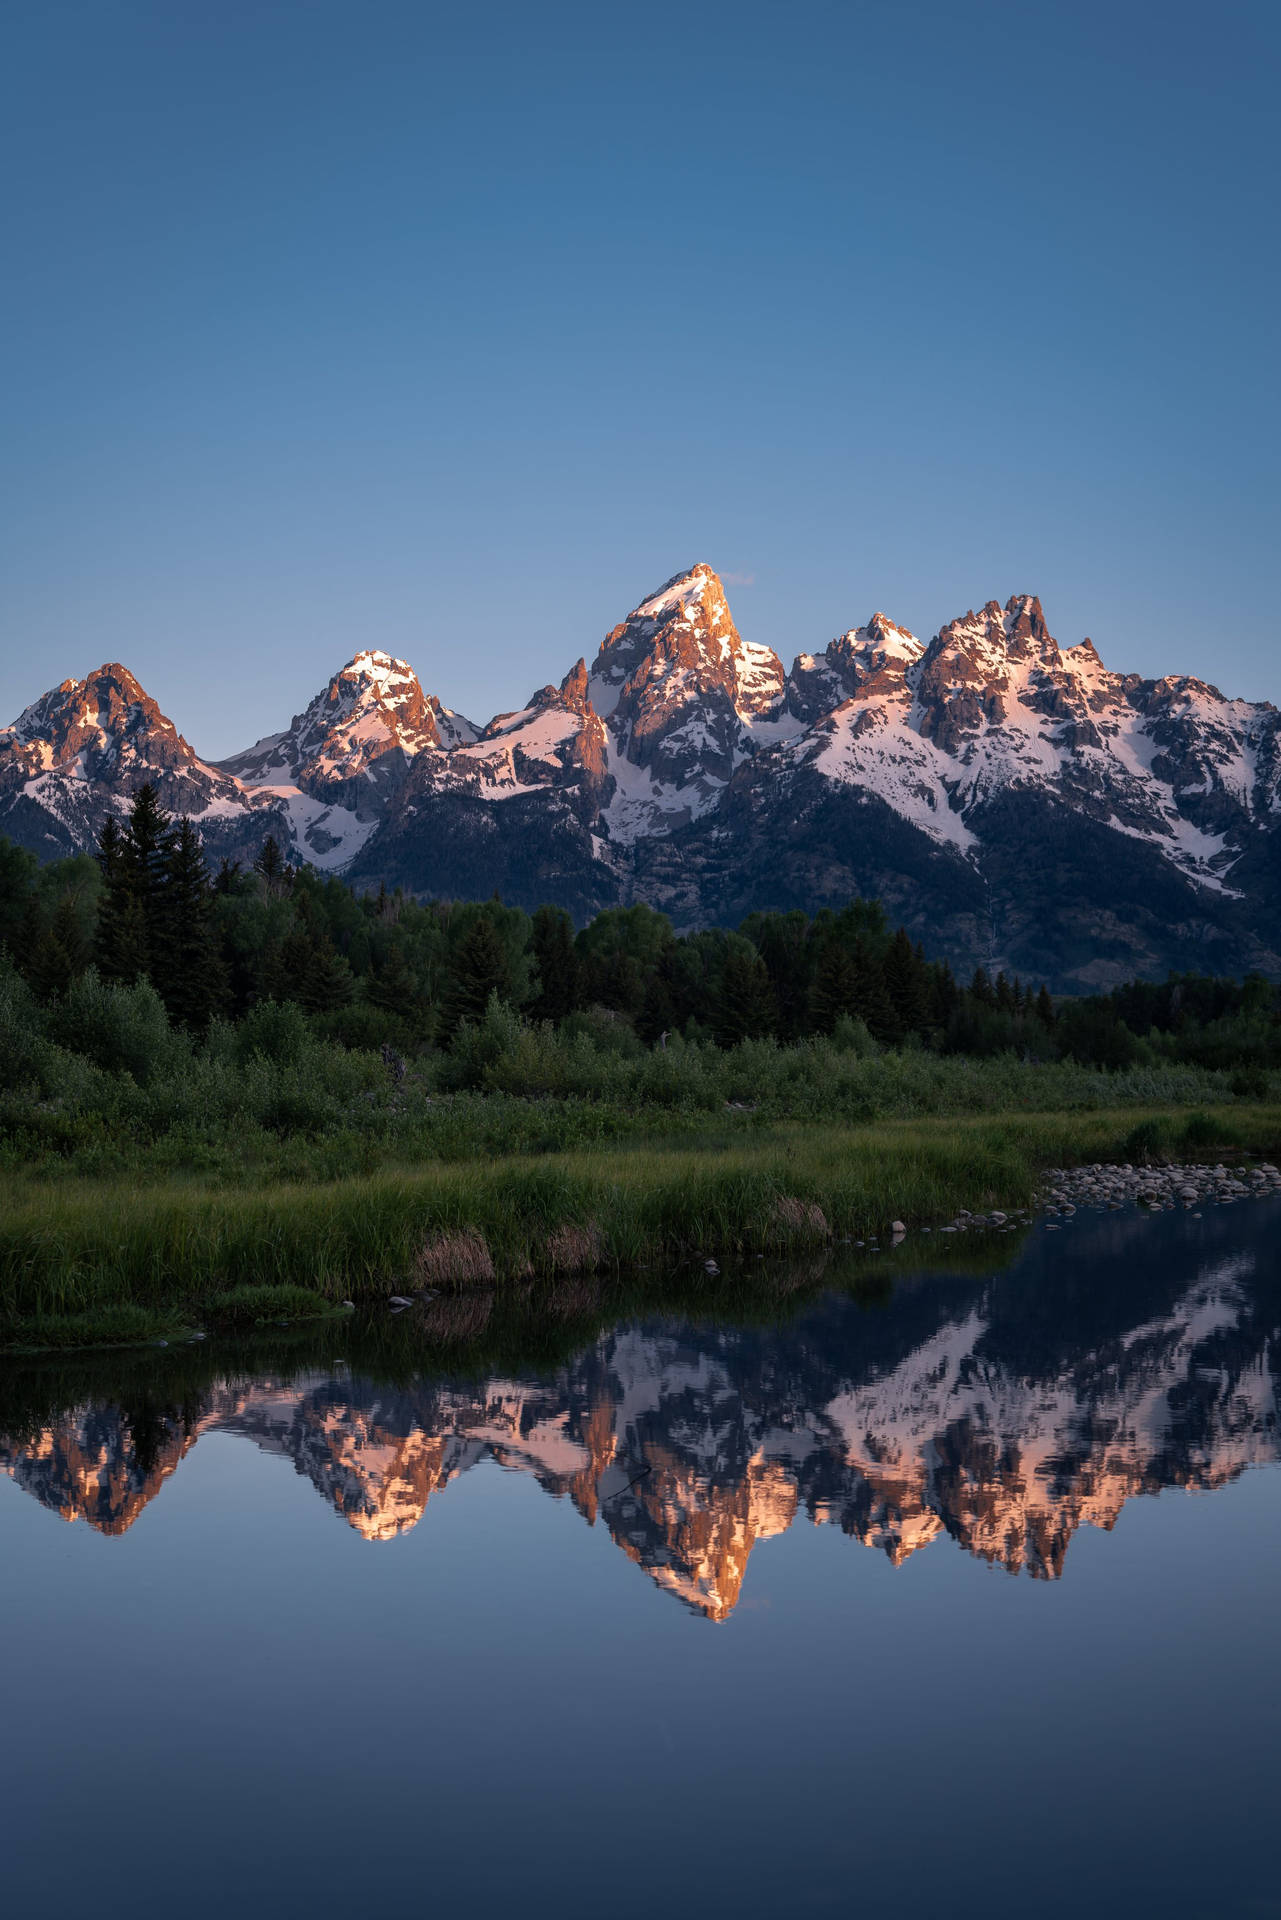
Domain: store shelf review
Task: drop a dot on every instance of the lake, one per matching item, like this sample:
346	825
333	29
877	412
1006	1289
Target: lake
943	1594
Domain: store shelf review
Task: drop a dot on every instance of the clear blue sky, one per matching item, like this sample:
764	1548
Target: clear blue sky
456	330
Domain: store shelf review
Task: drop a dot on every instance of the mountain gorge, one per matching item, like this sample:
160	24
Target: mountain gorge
1012	801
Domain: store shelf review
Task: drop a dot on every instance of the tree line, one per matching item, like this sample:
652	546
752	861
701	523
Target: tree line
383	969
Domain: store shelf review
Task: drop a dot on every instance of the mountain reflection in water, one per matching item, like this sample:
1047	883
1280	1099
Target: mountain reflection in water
1124	1357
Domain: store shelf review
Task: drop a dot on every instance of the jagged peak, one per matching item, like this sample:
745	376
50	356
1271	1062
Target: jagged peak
693	584
389	678
1016	629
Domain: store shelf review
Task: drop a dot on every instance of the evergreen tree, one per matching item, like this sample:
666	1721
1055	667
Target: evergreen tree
480	967
745	1004
1005	1002
1045	1007
327	983
393	988
272	866
120	945
285	964
187	966
981	988
872	1004
836	987
907	984
557	963
148	846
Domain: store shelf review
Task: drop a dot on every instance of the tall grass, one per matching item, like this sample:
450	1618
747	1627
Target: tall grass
76	1245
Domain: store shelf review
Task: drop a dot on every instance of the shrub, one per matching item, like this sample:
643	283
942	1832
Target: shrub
122	1029
1146	1142
276	1030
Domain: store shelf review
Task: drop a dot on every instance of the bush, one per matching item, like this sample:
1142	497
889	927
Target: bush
120	1029
1146	1143
275	1030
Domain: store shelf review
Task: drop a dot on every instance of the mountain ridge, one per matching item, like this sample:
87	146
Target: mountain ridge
1017	799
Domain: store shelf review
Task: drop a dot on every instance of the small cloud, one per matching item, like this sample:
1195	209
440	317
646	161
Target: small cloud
739	579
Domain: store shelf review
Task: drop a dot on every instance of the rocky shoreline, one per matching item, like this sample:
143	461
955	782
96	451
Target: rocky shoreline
1109	1187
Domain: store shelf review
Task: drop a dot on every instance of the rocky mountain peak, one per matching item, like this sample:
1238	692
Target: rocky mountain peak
679	689
861	664
356	738
83	750
104	721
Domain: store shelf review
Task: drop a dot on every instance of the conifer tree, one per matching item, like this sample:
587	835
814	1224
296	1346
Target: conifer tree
393	988
552	938
148	846
480	968
187	966
981	988
872	1004
836	987
745	1004
327	983
1045	1007
271	865
907	984
285	964
120	945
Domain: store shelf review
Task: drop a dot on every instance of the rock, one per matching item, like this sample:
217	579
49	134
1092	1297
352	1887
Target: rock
399	1300
710	1266
897	1228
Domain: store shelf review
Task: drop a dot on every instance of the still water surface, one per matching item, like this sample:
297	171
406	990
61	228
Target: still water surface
958	1601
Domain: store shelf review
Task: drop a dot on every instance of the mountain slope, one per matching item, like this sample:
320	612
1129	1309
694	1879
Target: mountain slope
82	752
1013	801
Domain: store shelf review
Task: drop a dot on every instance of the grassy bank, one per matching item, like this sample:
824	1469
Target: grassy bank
77	1246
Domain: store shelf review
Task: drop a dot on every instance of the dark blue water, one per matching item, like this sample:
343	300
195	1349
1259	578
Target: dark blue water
963	1600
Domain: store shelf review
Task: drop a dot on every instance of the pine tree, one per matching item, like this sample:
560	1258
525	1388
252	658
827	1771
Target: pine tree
907	984
120	946
745	1004
836	987
872	1003
1004	995
271	865
480	968
1045	1007
552	939
187	966
148	846
393	988
327	983
981	988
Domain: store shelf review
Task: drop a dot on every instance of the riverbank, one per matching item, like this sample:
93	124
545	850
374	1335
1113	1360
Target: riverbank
107	1252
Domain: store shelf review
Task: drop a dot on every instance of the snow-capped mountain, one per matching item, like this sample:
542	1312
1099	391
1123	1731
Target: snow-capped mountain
1013	801
83	750
340	762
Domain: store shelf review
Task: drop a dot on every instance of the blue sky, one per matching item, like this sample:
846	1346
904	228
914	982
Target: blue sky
455	331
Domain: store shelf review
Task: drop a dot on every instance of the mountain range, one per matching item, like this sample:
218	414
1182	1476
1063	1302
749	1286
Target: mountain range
1013	802
958	1409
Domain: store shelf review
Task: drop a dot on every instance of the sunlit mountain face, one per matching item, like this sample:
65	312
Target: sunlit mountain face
1005	1413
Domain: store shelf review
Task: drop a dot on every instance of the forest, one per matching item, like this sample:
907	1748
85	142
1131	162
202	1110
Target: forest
418	980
